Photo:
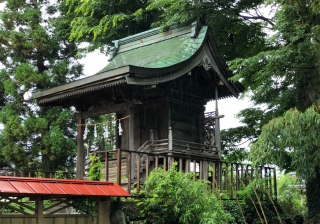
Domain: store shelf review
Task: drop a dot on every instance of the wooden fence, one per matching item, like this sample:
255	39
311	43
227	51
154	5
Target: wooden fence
225	177
36	173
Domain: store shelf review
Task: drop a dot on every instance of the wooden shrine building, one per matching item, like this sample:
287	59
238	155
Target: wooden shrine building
162	82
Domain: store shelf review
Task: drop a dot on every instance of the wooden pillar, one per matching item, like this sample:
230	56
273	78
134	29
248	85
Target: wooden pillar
104	211
170	159
39	209
80	149
130	132
117	131
217	125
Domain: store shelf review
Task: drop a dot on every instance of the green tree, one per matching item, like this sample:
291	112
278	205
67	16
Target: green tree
282	79
36	55
292	142
99	22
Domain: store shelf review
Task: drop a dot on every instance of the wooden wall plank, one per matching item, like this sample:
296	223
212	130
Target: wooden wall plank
30	221
80	220
71	220
61	220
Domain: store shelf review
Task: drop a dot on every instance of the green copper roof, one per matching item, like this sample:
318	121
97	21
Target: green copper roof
157	50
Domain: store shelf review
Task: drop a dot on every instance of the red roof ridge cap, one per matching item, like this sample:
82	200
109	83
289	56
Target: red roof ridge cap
49	180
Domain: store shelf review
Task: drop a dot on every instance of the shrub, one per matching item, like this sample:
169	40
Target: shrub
173	197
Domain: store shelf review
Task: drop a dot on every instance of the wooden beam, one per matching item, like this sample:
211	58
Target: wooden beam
110	108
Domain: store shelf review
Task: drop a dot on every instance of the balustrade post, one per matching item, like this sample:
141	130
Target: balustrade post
89	148
129	172
106	165
138	173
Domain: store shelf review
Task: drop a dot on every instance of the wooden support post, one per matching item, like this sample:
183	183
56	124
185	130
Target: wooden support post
213	176
201	170
129	172
104	211
270	182
266	177
164	163
119	167
206	177
170	139
138	172
39	209
187	165
156	161
237	177
180	165
147	166
89	148
242	176
247	176
220	176
217	125
117	131
106	159
80	148
231	181
275	183
130	133
226	178
194	169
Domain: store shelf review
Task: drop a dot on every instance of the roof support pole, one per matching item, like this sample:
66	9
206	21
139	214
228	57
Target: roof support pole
130	144
39	209
217	125
80	148
104	211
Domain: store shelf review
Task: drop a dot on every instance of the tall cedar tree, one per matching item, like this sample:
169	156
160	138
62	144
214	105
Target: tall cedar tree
284	79
36	54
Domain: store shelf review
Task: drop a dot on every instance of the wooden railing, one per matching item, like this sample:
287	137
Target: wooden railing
222	176
36	173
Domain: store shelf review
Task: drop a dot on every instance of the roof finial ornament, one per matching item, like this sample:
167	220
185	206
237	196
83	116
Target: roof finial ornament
196	27
113	50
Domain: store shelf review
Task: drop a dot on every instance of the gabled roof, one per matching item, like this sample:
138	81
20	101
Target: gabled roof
154	57
152	49
44	186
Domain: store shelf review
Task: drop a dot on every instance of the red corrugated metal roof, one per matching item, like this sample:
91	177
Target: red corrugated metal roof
44	186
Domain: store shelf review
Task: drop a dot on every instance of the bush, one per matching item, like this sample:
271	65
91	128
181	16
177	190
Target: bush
173	197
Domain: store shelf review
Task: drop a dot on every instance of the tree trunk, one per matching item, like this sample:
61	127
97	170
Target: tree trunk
313	198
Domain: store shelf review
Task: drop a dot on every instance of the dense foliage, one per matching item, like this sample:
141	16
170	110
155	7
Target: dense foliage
291	142
35	55
173	197
99	21
283	79
287	76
